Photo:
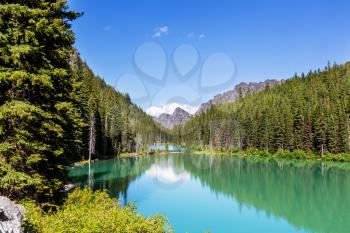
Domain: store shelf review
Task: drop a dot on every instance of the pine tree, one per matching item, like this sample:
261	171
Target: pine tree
308	143
39	123
308	112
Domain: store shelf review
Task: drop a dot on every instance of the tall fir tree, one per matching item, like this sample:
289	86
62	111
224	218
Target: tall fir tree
39	123
308	112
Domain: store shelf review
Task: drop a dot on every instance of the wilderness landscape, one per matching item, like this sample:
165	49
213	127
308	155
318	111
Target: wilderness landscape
189	140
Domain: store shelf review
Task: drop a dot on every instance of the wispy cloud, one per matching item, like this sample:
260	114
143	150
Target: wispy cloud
169	108
160	31
192	35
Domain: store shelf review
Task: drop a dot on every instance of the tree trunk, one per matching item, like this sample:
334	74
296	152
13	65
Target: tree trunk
92	142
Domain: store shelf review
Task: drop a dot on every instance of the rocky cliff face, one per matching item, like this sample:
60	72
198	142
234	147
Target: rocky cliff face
239	90
178	117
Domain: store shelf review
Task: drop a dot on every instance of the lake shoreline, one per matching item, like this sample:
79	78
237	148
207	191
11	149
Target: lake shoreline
130	155
297	154
146	153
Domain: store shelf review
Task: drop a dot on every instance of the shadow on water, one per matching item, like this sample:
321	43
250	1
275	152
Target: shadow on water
313	196
112	175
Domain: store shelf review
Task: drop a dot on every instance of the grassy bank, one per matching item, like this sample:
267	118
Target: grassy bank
252	152
150	152
296	154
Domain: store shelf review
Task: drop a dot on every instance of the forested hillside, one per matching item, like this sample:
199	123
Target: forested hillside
307	112
113	124
53	109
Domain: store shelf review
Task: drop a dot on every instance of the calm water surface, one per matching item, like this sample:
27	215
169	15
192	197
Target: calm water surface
199	193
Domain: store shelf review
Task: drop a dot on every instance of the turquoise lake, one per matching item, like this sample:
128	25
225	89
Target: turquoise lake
200	193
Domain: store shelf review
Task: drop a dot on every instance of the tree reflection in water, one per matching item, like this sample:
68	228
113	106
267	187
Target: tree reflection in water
311	195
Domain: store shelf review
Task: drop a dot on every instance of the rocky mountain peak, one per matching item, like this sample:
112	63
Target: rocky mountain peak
178	117
240	90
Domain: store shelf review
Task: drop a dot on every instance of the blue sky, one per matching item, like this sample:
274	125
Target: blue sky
132	44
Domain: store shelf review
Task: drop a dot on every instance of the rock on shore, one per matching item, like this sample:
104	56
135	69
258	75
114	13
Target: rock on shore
11	216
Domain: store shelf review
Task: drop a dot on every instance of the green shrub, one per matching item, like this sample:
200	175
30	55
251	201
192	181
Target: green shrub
298	154
253	151
295	154
342	157
265	153
282	154
93	212
234	149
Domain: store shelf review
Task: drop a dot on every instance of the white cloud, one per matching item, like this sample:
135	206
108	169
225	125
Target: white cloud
160	31
170	108
192	35
167	174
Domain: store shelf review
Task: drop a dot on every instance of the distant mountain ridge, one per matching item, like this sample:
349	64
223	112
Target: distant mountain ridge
240	90
178	117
